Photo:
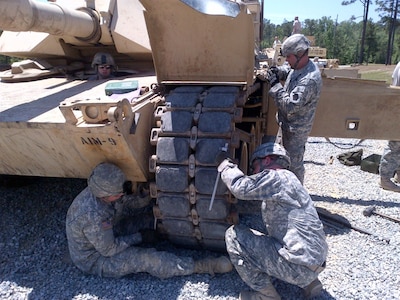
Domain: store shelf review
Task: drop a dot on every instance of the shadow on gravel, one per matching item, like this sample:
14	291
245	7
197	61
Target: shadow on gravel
341	143
338	224
14	181
314	163
358	202
33	247
296	293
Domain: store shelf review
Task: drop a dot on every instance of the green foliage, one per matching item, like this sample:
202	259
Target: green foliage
343	40
6	60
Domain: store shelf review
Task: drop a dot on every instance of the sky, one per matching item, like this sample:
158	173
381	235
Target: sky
278	11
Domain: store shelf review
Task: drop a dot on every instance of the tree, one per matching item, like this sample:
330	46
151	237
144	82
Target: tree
365	20
389	10
343	40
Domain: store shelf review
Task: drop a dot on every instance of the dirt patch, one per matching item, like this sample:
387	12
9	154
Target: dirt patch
375	68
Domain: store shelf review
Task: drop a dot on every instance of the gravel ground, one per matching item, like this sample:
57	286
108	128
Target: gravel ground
33	263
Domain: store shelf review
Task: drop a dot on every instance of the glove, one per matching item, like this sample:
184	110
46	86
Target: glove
274	70
127	187
272	76
262	77
149	236
221	156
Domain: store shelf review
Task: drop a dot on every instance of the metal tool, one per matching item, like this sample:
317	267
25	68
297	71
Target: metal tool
279	134
224	149
344	222
369	211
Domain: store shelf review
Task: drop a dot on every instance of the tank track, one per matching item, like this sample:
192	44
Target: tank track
193	124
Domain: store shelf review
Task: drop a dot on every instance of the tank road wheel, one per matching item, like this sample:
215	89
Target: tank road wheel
195	123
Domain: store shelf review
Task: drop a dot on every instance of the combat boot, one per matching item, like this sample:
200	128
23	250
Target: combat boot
396	177
213	265
313	289
266	294
387	184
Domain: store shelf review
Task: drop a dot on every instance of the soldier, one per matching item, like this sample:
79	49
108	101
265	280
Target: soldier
293	247
104	65
95	249
396	75
276	42
297	100
390	160
389	167
296	26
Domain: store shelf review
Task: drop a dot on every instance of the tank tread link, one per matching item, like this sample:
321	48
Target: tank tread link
193	125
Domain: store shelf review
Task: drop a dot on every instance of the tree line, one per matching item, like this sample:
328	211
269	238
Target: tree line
350	41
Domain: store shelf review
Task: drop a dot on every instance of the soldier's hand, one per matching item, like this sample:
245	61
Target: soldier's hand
272	77
274	70
262	77
127	187
221	156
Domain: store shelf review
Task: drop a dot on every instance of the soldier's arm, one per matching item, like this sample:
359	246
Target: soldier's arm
100	234
245	187
297	99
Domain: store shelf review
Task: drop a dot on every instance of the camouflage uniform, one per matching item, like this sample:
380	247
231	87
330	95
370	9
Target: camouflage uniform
390	160
294	246
297	102
95	249
396	75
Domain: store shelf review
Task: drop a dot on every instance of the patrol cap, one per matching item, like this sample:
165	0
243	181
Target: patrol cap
295	44
102	58
106	180
271	148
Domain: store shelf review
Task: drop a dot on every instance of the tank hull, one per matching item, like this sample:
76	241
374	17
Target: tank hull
353	108
39	138
205	98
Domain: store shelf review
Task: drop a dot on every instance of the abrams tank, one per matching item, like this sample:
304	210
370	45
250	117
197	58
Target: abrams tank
185	88
62	36
163	131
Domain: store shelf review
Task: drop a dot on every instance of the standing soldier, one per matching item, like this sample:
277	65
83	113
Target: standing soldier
389	167
297	100
296	26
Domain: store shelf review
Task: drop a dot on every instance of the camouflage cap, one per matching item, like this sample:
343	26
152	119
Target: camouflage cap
106	180
295	44
271	149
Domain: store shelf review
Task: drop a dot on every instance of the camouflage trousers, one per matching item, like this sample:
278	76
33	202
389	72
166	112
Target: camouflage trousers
256	259
160	264
390	160
294	143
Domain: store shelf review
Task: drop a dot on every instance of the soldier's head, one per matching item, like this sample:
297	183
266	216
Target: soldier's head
295	49
104	64
106	182
269	156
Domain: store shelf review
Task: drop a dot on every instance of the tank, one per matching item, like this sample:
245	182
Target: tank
69	34
185	89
